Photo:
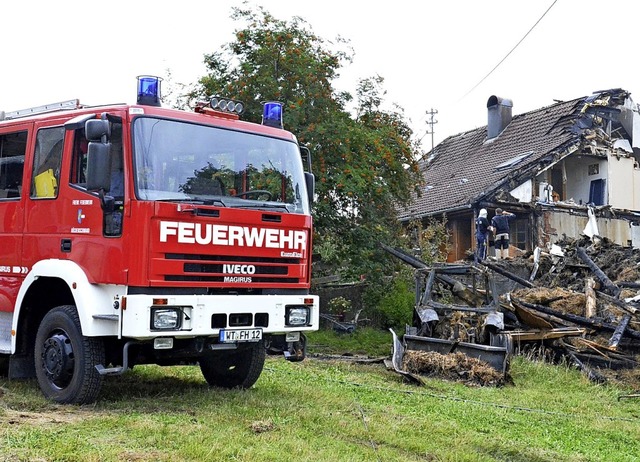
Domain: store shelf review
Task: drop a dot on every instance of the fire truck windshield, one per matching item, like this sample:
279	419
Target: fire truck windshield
176	160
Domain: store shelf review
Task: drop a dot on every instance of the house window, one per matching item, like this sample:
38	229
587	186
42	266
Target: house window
518	234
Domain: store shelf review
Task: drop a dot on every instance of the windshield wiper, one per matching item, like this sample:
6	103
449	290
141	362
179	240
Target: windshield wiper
265	206
196	200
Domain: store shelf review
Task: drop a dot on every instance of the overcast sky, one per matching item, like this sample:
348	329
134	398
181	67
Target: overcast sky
432	54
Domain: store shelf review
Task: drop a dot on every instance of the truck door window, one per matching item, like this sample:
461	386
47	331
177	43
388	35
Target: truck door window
47	161
13	147
117	162
79	159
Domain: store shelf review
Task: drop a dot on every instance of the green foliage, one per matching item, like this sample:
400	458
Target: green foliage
339	305
365	163
430	239
396	305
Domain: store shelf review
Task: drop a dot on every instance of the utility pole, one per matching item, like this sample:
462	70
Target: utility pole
432	112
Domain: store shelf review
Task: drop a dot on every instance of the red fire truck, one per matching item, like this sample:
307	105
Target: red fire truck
136	234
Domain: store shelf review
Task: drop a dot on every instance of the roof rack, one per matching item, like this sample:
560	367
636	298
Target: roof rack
61	106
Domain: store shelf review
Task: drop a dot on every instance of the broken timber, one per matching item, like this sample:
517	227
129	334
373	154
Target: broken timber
617	334
598	325
590	294
606	282
507	274
590	373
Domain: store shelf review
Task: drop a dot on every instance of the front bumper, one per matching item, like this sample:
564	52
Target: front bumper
206	315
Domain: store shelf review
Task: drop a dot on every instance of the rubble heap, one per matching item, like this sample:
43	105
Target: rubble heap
589	285
577	301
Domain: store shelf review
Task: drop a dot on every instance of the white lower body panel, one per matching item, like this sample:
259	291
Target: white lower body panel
199	311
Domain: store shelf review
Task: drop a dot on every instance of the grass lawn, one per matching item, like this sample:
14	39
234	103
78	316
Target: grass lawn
326	410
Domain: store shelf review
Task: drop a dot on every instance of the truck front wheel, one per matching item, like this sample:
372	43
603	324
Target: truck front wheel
239	368
65	360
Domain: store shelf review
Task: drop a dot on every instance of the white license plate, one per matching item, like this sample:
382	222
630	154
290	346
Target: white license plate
240	335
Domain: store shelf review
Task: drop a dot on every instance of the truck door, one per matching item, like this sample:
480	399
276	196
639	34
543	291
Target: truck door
96	240
13	147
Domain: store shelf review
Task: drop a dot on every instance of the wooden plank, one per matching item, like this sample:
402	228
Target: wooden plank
590	293
542	334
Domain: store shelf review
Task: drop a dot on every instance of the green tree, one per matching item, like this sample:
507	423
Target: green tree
365	161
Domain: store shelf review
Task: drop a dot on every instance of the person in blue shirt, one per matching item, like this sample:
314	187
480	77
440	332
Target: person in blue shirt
500	222
482	231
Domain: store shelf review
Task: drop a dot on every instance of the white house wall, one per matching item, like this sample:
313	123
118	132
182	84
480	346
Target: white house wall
624	192
631	121
558	223
579	179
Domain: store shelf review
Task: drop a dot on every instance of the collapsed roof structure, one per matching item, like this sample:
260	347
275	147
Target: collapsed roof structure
555	167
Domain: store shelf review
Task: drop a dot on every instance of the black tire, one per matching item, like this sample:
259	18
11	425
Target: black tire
65	360
239	368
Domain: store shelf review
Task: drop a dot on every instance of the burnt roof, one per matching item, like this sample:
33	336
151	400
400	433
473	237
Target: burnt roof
465	169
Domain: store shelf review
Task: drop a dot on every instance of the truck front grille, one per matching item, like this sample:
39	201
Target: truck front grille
228	269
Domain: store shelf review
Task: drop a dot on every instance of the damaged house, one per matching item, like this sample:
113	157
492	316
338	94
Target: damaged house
558	168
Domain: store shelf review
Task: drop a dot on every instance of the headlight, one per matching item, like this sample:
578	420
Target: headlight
297	316
166	318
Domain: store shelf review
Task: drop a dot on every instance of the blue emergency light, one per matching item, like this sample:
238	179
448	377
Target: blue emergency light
272	114
149	90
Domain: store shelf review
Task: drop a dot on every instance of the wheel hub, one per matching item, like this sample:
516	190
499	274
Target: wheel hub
57	359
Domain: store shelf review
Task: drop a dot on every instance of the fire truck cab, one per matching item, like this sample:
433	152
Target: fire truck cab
137	234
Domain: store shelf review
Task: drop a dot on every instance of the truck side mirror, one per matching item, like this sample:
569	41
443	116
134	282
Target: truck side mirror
311	185
305	155
97	129
98	166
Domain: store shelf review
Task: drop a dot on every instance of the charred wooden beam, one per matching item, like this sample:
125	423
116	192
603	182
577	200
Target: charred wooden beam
603	278
461	290
590	373
536	319
405	257
619	303
507	274
442	306
617	334
596	324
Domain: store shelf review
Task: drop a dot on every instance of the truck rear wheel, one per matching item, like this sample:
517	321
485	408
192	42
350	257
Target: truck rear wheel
239	368
65	360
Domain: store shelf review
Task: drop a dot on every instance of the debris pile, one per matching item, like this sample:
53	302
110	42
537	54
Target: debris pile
456	367
593	287
577	301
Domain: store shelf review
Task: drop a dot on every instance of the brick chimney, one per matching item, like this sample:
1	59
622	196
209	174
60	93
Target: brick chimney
499	110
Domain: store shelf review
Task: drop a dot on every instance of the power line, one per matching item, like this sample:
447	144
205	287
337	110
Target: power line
511	51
